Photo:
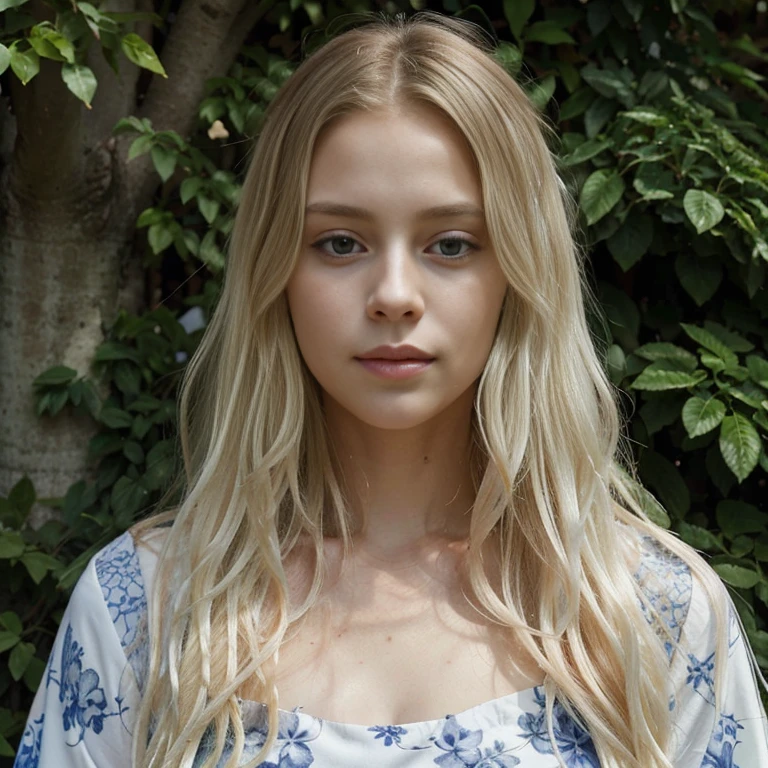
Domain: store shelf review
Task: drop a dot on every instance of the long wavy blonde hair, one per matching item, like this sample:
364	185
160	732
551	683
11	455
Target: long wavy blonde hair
554	481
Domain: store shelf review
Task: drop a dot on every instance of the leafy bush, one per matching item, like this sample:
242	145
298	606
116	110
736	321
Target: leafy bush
663	141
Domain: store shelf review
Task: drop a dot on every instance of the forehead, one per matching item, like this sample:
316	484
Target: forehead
393	154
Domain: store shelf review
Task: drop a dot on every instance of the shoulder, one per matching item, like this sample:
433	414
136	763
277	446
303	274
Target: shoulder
666	582
121	573
680	595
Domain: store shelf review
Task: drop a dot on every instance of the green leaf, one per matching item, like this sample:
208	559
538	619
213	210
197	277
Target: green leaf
597	115
758	370
8	640
25	64
700	277
6	4
740	445
141	53
159	237
59	374
586	151
164	160
115	418
646	500
646	116
630	242
131	124
11	545
654	182
737	517
127	497
701	416
210	253
657	378
661	410
115	350
5	58
703	209
208	207
547	32
576	104
664	477
22	496
712	343
127	377
140	146
600	193
541	92
610	83
81	81
736	576
133	452
517	13
699	538
735	341
11	622
664	350
38	564
189	188
20	657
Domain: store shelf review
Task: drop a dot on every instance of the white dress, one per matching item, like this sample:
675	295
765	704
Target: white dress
83	713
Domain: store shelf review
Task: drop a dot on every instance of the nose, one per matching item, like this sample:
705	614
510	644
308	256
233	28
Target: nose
396	286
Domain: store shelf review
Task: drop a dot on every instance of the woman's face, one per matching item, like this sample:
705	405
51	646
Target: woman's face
395	252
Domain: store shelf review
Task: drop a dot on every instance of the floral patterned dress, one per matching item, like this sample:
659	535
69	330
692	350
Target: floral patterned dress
83	714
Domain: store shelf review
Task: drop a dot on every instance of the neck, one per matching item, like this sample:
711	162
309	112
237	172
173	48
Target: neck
405	487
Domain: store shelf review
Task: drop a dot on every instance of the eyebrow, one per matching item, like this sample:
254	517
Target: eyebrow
436	212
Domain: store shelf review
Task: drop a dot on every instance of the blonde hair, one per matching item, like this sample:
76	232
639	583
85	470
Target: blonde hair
551	483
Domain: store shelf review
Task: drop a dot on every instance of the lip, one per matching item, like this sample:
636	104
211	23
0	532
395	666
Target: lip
402	352
394	369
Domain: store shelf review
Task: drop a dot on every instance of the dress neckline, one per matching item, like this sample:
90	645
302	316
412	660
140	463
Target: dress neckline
300	718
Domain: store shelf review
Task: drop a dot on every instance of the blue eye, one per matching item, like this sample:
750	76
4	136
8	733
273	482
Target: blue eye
344	242
452	248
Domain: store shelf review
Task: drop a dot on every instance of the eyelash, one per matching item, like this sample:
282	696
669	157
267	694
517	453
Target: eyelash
463	257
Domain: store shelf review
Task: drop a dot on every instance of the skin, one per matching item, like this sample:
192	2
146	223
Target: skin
388	278
397	622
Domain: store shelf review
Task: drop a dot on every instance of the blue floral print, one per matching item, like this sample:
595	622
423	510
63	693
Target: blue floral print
28	755
459	744
84	711
700	676
392	734
573	742
83	699
723	743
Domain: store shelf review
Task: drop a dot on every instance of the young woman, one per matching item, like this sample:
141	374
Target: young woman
406	537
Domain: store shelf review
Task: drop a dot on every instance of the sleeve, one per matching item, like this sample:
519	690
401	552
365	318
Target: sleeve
735	734
84	710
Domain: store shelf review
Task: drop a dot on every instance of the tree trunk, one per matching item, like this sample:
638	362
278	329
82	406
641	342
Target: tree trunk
68	205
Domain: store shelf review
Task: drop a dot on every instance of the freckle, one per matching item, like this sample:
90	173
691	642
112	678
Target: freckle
448	662
389	638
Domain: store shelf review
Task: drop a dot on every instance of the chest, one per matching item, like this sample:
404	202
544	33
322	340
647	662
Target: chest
396	656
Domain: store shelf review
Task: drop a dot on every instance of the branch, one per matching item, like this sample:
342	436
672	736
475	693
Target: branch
199	46
48	149
249	16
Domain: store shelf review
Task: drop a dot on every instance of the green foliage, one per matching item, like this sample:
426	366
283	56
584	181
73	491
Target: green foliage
23	42
663	142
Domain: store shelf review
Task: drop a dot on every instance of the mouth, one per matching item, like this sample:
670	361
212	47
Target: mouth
403	353
389	368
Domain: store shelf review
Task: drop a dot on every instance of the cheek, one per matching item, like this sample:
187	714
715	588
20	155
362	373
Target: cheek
315	308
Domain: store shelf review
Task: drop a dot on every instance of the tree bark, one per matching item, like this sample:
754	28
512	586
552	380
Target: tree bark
68	205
